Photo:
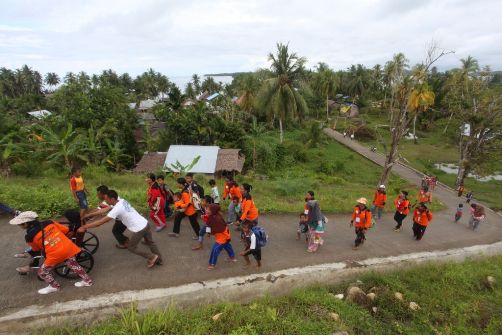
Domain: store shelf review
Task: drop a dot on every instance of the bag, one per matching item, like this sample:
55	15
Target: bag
196	201
261	236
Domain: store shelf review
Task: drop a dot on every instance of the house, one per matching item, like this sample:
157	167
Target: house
212	161
350	110
213	96
40	114
146	105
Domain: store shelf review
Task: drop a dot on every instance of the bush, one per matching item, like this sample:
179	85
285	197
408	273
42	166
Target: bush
365	133
29	168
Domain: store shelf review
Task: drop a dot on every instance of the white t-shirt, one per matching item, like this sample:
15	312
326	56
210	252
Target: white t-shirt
215	195
124	212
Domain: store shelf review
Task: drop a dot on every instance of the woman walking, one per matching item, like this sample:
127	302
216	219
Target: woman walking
315	220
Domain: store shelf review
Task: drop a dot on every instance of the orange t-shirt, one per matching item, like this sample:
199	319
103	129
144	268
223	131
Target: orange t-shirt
222	238
226	190
361	218
187	204
424	197
249	210
422	218
235	191
58	247
77	184
402	205
379	199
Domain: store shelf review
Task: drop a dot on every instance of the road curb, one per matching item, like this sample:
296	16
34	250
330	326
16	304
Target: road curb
241	289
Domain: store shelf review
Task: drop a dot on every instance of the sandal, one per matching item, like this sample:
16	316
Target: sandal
196	247
211	268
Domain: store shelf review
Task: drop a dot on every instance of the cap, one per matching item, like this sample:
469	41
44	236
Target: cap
362	201
24	217
381	186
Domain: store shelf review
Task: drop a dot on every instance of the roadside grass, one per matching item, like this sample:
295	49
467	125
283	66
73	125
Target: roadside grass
337	175
433	148
451	297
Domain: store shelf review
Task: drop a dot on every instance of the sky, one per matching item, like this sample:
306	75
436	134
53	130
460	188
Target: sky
179	38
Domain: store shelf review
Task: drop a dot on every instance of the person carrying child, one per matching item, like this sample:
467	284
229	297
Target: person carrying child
361	220
219	229
252	245
78	190
458	212
49	237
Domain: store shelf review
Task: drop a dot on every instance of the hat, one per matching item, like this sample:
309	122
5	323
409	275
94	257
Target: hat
362	201
381	186
24	217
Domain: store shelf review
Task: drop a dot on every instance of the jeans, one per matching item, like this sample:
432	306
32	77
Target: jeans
82	200
217	248
193	222
418	230
377	210
7	209
202	232
118	232
145	233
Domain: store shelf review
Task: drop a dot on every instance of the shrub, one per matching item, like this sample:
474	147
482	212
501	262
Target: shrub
365	133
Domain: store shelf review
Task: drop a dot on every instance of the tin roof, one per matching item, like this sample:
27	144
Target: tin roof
185	154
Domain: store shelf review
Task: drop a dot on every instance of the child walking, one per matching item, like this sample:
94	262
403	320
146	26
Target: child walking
78	190
252	245
204	229
303	227
458	212
215	194
221	234
156	202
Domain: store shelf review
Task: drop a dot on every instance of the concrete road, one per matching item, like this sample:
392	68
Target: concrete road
118	270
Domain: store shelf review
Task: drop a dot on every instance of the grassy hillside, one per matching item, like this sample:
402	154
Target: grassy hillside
435	147
451	298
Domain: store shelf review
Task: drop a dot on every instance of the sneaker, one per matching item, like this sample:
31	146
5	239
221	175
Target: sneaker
195	238
173	235
48	289
120	246
234	260
397	229
83	284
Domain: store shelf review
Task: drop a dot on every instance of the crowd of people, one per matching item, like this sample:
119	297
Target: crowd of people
206	218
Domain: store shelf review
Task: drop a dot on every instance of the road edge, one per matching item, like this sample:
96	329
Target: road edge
242	289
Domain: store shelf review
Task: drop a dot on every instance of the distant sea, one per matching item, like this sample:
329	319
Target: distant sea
182	81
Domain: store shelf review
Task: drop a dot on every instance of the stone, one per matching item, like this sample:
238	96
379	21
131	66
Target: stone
216	317
489	282
374	310
371	295
414	306
339	296
334	316
399	296
357	296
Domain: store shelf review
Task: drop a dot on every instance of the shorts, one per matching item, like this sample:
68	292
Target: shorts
256	254
82	200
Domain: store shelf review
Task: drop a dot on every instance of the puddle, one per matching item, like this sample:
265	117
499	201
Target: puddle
451	168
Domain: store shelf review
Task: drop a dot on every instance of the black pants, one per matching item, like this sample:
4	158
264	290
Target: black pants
398	217
118	231
256	254
360	237
418	230
193	222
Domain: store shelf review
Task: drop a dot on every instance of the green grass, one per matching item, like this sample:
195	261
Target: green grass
451	297
337	175
434	147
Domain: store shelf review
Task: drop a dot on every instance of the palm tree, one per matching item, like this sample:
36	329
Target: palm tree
470	67
196	83
279	96
254	133
247	86
327	83
52	79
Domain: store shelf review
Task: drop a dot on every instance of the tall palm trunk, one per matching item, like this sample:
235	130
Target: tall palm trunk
327	108
415	129
281	132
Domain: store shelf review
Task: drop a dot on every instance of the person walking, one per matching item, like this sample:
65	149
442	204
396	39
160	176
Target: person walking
315	220
49	237
379	201
460	190
78	190
421	219
221	233
424	196
215	194
248	208
468	197
137	224
402	209
477	215
167	193
156	203
185	208
458	212
361	220
234	192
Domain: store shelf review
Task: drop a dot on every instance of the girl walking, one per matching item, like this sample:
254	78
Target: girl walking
156	202
402	209
219	229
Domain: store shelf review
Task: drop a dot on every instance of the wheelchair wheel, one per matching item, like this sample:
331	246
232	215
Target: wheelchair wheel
84	258
90	242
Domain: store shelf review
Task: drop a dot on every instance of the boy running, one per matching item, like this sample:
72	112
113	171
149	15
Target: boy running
361	220
252	245
137	224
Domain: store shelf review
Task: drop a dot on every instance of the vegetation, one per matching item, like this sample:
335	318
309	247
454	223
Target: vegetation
451	297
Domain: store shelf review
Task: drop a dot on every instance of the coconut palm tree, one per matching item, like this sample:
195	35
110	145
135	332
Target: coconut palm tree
279	96
196	83
52	79
247	87
469	68
327	83
254	133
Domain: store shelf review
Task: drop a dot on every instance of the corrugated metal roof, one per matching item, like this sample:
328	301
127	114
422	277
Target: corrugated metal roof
147	104
185	154
212	96
40	114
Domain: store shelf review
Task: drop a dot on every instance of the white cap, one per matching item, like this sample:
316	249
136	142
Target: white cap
381	186
24	217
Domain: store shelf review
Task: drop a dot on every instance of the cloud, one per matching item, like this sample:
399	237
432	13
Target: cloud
196	36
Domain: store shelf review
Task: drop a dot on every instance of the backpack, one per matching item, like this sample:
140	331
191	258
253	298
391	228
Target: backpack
195	199
261	236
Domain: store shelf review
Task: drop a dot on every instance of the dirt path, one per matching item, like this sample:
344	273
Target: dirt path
118	270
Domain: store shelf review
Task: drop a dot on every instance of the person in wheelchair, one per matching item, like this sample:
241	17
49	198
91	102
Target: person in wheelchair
49	238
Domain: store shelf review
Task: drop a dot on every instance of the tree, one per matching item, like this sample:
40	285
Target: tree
52	79
196	84
254	133
326	82
279	96
407	91
247	86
